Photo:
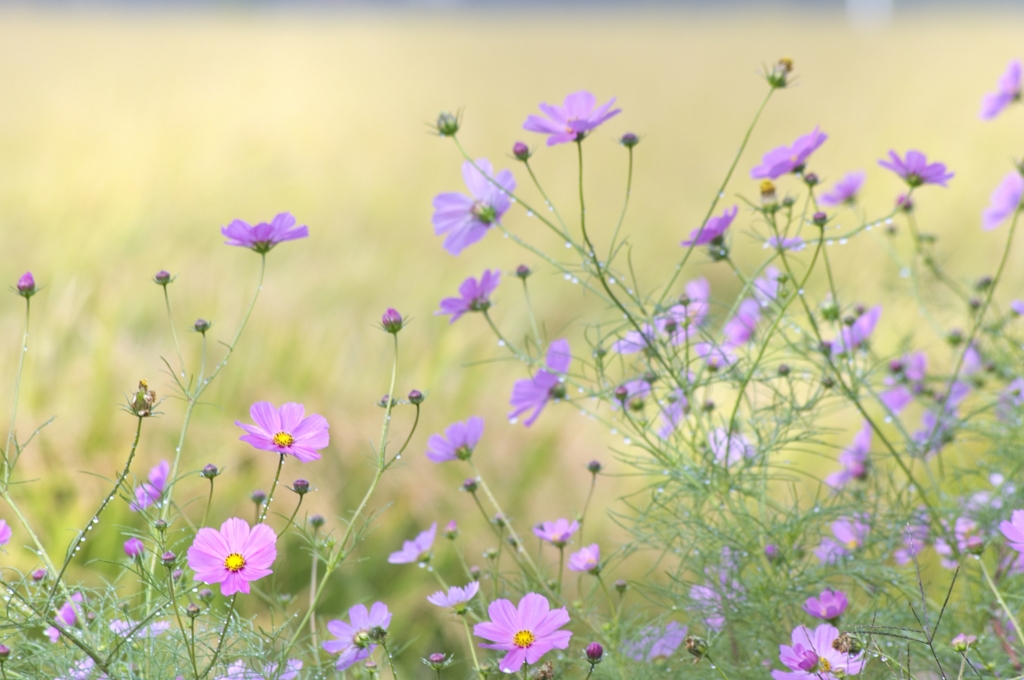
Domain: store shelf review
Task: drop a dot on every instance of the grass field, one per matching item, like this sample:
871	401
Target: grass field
127	139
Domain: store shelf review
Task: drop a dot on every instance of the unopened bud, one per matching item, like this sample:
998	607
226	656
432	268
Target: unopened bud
416	397
316	521
975	545
300	486
26	285
38	575
783	369
696	646
594	467
772	552
629	140
201	325
621	586
447	124
168	558
452	530
392	321
160	525
162	277
811	179
521	151
963	642
205	595
594	652
522	271
5	652
209	472
819	218
258	496
469	485
192	610
474	573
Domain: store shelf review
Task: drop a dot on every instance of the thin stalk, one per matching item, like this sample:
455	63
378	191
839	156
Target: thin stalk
209	501
220	641
17	392
1002	602
561	566
533	320
294	512
174	332
586	504
312	590
391	662
625	205
273	488
472	647
181	625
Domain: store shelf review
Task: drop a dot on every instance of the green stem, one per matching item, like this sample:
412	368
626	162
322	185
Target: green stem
1002	602
561	566
533	320
472	647
181	625
391	663
292	518
273	488
17	392
174	332
209	501
220	641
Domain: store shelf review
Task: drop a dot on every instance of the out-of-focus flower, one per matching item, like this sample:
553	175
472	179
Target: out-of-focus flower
830	605
474	296
1013	530
857	335
151	491
556	533
527	633
655	643
458	441
239	671
233	556
264	236
586	559
464	220
794	244
1010	399
849	534
730	449
535	393
963	642
740	328
129	627
572	121
720	591
938	425
845	190
813	656
786	159
5	532
627	392
354	642
915	538
456	597
915	169
766	288
1004	202
1007	91
286	430
679	322
134	547
713	229
69	614
416	550
853	459
672	413
910	372
964	529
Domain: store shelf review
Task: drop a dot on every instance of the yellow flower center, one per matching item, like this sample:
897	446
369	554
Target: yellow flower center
234	562
824	665
852	545
523	639
284	439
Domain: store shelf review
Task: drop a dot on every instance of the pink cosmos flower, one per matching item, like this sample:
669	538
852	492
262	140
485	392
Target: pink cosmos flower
464	220
5	532
1007	92
812	656
713	229
910	373
856	336
129	627
67	616
556	533
730	449
938	426
353	642
766	288
416	550
527	633
1013	530
794	244
716	357
586	559
628	391
721	591
679	322
849	536
672	413
740	328
1017	307
963	529
1004	202
573	120
786	159
853	459
1010	400
240	671
263	236
474	296
233	556
845	190
286	430
830	605
535	393
148	493
655	642
456	597
916	170
134	547
915	538
83	670
458	441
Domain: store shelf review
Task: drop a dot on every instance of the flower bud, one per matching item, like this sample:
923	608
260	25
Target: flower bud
38	575
134	548
955	337
162	277
594	467
783	370
469	485
300	486
209	471
810	179
316	521
438	662
205	595
975	544
160	525
5	652
192	610
392	321
621	393
696	646
201	325
474	573
963	642
258	496
819	218
416	397
620	586
177	574
378	634
447	124
521	151
827	382
452	530
26	285
830	310
629	140
984	283
772	552
498	520
709	406
905	203
167	559
436	658
594	652
522	271
142	402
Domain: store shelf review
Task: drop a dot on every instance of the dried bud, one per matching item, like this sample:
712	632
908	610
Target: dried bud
847	644
521	151
594	467
392	321
26	285
258	496
162	277
201	325
416	397
209	472
778	75
316	521
696	646
300	486
447	124
168	558
142	402
545	672
629	140
594	652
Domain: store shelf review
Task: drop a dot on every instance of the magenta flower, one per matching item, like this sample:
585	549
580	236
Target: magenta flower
1004	202
910	373
67	616
766	288
556	533
464	220
286	430
655	642
535	393
26	285
963	530
713	229
458	441
572	121
239	671
82	670
740	328
730	449
786	159
845	190
916	170
474	296
148	493
812	656
263	236
129	627
586	559
527	633
1013	530
5	532
1007	92
830	605
353	642
416	550
456	597
849	536
853	459
856	336
233	556
134	547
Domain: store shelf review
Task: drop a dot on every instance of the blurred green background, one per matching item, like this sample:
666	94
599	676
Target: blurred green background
127	138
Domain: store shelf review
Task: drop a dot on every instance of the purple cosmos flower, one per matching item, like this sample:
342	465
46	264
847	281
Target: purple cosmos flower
679	322
556	533
713	229
830	605
845	190
458	441
126	628
853	459
1004	202
474	296
730	449
786	159
263	236
1013	530
239	671
67	616
527	633
916	170
766	288
586	559
134	547
740	328
937	426
148	493
5	532
910	372
672	413
286	430
465	219
1007	92
535	393
857	335
628	391
233	556
655	642
456	597
795	244
573	120
1010	400
963	530
353	642
715	357
721	589
812	656
1017	307
849	536
416	550
82	670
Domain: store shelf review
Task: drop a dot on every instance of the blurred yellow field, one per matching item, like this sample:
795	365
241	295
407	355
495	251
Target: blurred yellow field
128	138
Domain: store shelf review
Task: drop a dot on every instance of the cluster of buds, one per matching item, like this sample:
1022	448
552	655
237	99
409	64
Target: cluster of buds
143	401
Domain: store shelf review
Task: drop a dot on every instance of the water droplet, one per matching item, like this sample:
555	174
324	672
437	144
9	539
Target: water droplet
800	292
614	431
842	241
829	242
611	280
580	390
529	213
568	245
627	441
501	343
575	280
513	421
904	273
567	277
